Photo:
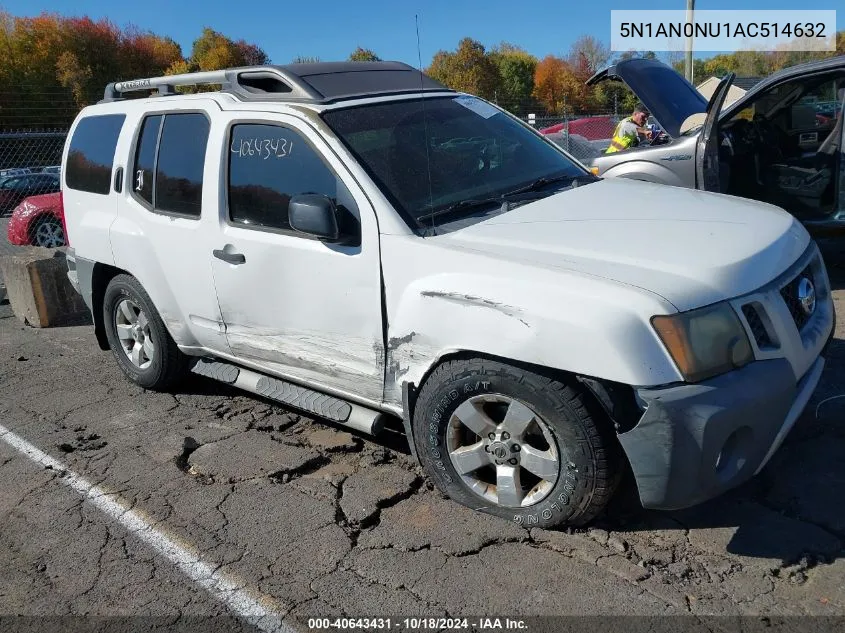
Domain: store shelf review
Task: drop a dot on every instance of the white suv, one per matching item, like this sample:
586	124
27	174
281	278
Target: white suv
359	242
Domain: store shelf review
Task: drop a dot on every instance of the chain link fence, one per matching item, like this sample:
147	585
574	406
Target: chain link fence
584	136
30	166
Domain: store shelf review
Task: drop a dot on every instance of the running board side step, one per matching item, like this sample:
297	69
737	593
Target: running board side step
320	404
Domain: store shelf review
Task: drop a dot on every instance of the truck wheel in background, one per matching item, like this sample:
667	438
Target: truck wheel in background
143	347
514	443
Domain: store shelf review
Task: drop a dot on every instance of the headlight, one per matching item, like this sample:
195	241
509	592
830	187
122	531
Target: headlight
704	342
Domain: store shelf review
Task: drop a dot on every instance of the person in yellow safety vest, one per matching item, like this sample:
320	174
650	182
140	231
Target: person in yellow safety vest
630	130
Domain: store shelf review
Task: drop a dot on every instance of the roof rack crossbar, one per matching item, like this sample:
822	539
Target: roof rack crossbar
230	80
314	83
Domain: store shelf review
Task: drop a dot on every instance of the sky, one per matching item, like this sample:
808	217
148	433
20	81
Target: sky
331	29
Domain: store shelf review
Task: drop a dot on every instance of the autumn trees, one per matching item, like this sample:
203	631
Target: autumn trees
363	55
54	65
519	82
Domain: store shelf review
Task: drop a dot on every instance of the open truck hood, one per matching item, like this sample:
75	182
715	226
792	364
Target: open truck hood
670	98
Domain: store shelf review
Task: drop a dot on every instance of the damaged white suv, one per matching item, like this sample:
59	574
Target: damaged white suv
356	241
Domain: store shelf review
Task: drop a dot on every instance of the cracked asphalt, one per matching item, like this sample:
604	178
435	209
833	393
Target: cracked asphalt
315	521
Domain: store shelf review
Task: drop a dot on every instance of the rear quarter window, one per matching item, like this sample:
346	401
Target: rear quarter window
91	153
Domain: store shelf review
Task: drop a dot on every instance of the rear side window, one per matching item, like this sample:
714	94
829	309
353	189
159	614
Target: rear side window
268	164
145	159
169	163
91	153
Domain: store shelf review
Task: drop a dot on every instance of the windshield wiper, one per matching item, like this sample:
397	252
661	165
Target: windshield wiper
505	199
463	205
540	183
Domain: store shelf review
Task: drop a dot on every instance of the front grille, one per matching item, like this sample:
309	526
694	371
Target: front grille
790	296
758	330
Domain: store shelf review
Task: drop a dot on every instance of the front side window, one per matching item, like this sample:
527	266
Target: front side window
269	164
91	153
429	155
169	162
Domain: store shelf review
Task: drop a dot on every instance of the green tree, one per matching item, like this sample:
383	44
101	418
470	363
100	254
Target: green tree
363	55
468	69
516	77
214	51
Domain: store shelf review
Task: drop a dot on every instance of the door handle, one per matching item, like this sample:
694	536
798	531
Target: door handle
226	256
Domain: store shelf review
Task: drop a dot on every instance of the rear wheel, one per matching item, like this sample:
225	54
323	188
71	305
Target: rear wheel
48	232
143	347
515	443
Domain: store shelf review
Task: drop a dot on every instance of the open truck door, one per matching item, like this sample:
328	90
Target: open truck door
707	169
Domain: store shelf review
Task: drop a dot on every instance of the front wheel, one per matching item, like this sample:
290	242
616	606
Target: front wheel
514	443
143	347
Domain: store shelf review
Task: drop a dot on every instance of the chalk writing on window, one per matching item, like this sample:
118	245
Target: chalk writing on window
263	148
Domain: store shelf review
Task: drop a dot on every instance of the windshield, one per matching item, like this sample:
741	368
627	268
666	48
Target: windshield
429	156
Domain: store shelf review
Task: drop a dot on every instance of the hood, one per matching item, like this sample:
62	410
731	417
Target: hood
692	248
670	98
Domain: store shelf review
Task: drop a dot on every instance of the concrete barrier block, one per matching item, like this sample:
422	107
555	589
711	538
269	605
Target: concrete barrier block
38	289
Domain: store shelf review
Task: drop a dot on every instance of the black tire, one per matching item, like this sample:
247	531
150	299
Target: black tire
590	463
57	230
168	365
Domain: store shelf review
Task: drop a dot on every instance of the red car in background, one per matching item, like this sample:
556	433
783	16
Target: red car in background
594	128
38	221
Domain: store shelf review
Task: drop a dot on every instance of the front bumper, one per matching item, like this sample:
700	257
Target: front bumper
694	442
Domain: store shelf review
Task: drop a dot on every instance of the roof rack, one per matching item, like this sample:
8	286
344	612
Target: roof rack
321	82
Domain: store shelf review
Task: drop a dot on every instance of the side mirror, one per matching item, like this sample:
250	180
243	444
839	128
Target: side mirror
314	214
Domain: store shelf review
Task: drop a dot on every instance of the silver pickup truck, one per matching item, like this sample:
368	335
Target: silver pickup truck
779	143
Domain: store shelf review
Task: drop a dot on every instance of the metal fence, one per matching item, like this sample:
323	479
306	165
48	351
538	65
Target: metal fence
585	136
29	186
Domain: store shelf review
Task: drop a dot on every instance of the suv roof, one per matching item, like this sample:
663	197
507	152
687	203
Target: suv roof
322	82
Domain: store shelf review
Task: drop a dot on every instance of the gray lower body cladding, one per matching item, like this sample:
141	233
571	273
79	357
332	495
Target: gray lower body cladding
695	442
80	273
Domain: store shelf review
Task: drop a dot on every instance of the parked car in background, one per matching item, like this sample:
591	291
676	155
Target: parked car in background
771	145
13	189
52	169
38	221
579	147
593	128
14	171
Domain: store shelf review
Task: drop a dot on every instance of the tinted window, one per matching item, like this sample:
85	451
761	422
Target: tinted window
428	159
91	153
145	155
181	159
267	165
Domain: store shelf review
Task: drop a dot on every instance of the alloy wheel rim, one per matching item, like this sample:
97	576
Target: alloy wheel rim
133	331
49	235
503	450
